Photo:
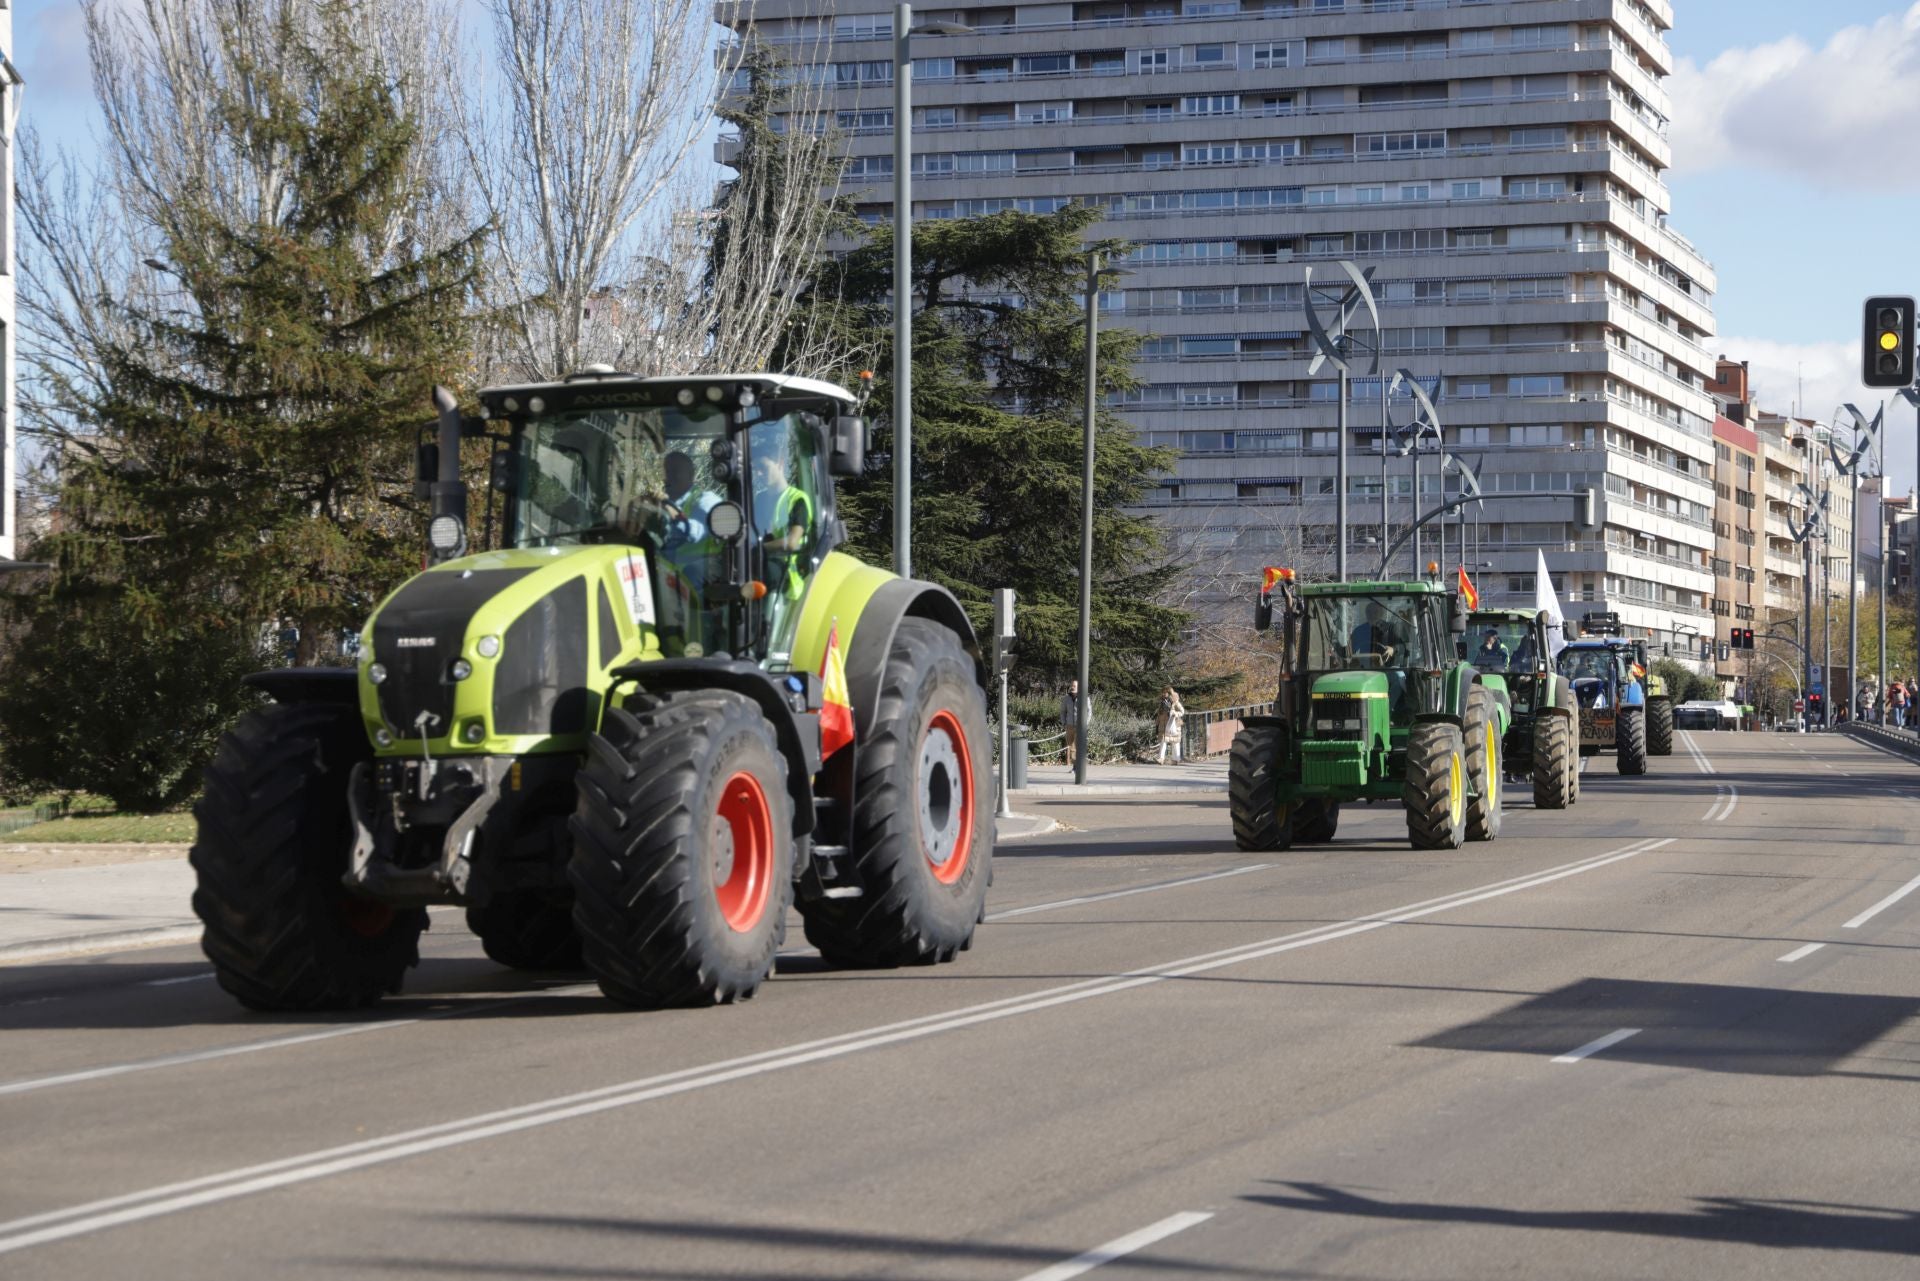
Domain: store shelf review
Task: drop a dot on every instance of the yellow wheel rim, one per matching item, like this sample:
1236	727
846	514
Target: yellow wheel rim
1456	792
1493	769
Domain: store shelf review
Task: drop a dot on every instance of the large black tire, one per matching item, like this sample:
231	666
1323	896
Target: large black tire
1555	766
1564	698
1486	769
274	840
1660	727
1315	821
1260	824
1630	740
682	866
528	930
922	848
1436	790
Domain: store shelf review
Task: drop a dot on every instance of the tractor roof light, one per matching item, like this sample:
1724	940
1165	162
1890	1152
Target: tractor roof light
746	398
716	393
684	397
447	536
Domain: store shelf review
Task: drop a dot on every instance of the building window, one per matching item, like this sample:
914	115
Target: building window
1270	55
1150	62
1216	104
1210	55
1467	190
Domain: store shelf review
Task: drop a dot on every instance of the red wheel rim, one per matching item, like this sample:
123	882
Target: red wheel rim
946	797
743	853
364	916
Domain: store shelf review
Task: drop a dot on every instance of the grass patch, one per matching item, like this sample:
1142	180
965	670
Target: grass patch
108	829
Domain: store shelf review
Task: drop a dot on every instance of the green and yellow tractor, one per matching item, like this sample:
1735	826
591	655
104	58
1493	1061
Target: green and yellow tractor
1513	652
660	710
1373	704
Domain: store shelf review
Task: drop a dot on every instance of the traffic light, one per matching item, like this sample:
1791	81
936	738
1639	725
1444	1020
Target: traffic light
1886	357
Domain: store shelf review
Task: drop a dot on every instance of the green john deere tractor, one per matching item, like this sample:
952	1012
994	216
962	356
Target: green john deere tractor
660	710
1373	705
1513	652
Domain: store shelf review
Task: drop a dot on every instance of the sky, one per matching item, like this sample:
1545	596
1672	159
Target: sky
1796	137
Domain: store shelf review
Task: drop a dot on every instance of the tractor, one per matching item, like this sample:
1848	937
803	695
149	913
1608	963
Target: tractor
1372	705
628	733
1608	691
1513	652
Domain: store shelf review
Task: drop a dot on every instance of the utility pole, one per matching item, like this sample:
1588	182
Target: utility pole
1083	719
903	291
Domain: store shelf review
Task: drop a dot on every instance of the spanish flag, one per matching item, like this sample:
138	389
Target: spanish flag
836	706
1273	575
1466	590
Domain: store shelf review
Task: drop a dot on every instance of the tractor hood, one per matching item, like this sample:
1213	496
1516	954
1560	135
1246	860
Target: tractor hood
1351	685
505	651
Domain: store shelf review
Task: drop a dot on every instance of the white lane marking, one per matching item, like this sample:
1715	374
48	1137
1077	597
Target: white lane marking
196	1056
171	1198
1138	889
1883	904
1594	1047
1719	796
1119	1247
1800	952
185	978
1699	757
1733	799
274	1043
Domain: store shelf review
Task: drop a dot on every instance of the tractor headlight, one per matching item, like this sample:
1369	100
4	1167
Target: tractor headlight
382	738
446	536
487	647
725	521
460	669
473	733
376	674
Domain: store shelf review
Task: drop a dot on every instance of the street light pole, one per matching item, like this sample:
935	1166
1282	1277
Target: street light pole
903	290
1082	716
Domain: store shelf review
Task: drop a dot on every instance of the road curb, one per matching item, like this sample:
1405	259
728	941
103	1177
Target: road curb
1121	789
1893	740
106	941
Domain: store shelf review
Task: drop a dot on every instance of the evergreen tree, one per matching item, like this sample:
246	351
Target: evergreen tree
250	452
998	402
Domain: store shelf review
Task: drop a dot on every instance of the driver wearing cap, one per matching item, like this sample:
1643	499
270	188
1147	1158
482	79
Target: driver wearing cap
1493	655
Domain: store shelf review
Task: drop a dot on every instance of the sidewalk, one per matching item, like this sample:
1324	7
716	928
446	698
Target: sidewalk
1209	775
67	901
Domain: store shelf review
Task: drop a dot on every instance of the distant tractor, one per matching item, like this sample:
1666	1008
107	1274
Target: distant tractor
1372	705
1513	651
664	709
1609	679
1659	700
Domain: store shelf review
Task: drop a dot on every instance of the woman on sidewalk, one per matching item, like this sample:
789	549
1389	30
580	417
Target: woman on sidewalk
1167	723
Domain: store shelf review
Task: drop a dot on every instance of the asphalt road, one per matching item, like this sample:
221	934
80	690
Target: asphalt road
1674	1032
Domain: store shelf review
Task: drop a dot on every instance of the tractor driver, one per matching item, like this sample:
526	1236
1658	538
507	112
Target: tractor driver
1376	641
687	542
1493	655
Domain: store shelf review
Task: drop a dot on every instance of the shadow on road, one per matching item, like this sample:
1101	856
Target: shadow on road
1699	1026
1798	1225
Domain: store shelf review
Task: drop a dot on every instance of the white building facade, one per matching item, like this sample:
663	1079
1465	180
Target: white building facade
1496	162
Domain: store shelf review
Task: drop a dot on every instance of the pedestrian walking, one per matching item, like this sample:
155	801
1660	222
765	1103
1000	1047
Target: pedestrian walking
1897	701
1168	723
1070	716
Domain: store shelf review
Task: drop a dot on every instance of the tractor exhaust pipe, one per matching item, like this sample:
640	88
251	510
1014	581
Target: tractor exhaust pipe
449	491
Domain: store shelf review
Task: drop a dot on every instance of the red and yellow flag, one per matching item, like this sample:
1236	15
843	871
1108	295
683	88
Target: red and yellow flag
836	705
1274	575
1467	593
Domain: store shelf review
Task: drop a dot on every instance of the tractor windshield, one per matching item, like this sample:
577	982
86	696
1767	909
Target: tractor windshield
1364	633
1500	645
1587	664
602	475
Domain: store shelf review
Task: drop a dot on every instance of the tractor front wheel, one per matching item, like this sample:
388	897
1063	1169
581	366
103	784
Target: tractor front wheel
274	839
682	864
922	849
1260	823
528	930
1630	740
1315	821
1660	727
1436	790
1485	767
1555	767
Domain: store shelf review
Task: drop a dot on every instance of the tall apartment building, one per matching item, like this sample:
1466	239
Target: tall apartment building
1739	545
1497	163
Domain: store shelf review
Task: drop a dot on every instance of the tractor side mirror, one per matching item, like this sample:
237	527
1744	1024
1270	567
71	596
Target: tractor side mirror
848	456
503	471
1640	653
426	468
1262	614
1570	631
1456	614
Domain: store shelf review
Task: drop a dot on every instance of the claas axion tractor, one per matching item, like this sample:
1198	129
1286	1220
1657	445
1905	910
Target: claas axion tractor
664	708
1373	704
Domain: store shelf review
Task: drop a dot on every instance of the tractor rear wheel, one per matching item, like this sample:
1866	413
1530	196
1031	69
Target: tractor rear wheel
1659	727
1436	790
1315	821
274	840
1630	740
682	864
1253	789
922	848
1555	767
1486	770
528	930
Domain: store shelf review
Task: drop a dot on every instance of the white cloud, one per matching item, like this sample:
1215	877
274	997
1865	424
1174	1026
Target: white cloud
1821	377
1847	114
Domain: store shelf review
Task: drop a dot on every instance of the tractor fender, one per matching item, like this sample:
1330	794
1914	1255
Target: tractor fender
338	685
880	617
789	700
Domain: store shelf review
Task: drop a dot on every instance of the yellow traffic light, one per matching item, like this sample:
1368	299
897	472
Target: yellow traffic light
1889	340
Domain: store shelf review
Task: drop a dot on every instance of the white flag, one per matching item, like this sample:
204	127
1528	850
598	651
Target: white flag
1545	598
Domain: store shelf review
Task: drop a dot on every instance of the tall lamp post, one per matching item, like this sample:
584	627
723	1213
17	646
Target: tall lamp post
903	33
1082	713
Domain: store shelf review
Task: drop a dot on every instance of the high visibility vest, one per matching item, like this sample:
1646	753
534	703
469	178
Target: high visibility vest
793	507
